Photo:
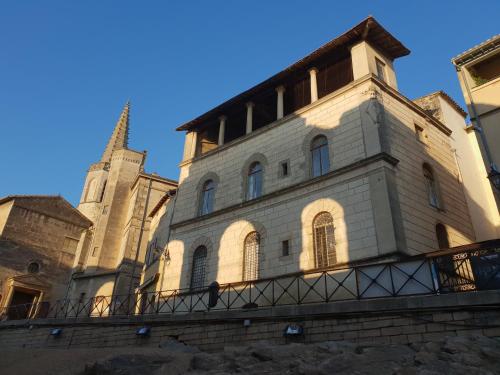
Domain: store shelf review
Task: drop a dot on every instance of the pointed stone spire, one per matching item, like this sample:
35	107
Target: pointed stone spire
119	138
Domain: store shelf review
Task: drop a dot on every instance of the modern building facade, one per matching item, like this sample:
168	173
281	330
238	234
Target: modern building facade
39	239
324	164
117	196
478	72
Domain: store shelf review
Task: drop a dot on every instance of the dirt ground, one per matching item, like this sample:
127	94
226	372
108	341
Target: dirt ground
452	355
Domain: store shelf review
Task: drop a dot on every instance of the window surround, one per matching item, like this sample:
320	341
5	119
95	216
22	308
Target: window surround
428	169
319	145
257	261
255	158
255	176
199	188
306	149
315	226
199	280
187	267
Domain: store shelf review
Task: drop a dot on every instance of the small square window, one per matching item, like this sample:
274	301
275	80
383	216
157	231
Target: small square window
284	168
380	69
419	133
285	248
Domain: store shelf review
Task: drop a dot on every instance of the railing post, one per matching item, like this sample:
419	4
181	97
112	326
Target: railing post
213	294
434	275
298	291
326	287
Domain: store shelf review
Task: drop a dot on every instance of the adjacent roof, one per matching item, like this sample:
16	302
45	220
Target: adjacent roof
119	138
51	205
154	177
447	98
162	201
369	29
477	51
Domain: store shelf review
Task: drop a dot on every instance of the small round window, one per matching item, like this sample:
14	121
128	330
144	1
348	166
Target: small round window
33	267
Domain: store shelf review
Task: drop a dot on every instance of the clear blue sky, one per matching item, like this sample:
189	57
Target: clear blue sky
68	67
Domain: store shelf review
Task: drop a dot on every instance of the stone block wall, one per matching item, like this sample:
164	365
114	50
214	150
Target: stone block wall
395	320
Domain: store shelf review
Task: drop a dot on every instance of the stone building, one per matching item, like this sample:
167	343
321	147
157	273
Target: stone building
39	238
324	164
478	190
117	196
478	72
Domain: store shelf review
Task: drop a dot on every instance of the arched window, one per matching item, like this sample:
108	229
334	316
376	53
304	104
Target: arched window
251	257
207	197
442	236
324	240
431	186
199	267
319	156
254	186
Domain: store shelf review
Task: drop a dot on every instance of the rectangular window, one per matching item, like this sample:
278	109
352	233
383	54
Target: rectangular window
95	251
419	134
285	169
380	69
70	244
285	248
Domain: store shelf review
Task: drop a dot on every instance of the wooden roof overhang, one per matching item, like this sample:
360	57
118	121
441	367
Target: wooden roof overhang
369	29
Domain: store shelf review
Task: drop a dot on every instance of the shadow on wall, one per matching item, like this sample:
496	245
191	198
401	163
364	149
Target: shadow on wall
358	191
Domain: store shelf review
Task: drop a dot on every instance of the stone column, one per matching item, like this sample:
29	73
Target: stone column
250	106
279	109
314	84
194	144
222	127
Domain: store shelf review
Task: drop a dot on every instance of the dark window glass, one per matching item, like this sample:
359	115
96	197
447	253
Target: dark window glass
285	248
33	267
320	157
284	169
442	236
324	240
251	257
199	267
431	186
207	198
254	188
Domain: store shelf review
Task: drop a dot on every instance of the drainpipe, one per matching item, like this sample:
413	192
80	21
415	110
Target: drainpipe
136	258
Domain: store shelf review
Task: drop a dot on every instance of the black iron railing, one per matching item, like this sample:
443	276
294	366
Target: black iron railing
475	267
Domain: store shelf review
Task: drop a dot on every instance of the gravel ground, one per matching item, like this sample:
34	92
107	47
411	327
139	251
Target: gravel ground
452	355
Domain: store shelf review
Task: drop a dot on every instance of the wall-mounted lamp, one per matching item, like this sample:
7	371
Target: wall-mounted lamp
293	330
56	332
143	331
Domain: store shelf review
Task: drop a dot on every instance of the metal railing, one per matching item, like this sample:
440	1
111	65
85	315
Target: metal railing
474	267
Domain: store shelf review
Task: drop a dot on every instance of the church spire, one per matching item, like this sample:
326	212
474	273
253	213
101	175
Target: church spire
119	138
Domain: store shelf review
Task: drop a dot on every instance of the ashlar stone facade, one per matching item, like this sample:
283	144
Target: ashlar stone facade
384	190
39	239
